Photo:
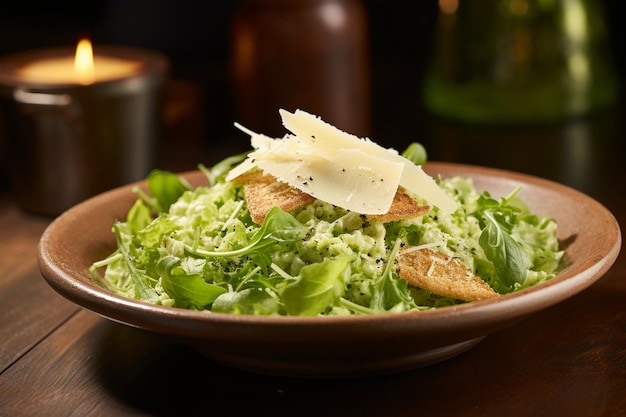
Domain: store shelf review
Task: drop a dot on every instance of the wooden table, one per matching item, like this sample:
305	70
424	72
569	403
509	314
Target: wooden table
569	360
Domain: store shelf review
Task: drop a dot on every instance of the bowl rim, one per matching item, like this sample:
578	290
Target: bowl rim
88	294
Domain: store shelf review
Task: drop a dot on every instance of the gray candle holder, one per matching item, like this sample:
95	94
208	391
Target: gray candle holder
67	141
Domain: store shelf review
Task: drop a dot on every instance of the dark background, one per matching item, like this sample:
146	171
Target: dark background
195	35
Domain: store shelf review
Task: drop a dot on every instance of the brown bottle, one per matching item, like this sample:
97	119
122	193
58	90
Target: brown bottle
306	54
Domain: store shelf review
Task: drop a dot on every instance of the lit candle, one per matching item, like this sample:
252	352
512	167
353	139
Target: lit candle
78	122
83	67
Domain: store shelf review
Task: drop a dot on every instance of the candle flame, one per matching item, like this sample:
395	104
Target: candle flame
83	62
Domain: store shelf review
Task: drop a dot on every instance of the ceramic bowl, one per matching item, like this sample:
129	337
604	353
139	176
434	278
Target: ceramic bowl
336	346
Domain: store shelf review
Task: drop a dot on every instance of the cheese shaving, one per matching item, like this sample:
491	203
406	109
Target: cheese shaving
339	168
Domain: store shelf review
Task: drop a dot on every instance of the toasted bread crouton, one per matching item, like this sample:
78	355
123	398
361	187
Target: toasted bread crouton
264	192
402	207
442	275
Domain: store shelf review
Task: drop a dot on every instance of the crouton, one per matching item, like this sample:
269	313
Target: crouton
442	275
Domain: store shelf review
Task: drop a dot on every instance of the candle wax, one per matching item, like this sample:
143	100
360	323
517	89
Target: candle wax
61	70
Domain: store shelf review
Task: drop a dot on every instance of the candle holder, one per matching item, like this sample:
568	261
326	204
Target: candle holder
68	140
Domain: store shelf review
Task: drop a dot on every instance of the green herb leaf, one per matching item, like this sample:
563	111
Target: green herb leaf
139	216
318	287
144	284
166	188
509	259
219	171
391	292
416	153
249	301
188	290
279	226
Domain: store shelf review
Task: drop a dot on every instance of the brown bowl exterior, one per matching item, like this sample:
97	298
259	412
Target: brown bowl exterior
336	346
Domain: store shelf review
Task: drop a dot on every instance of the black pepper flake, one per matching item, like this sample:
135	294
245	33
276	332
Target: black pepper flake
310	178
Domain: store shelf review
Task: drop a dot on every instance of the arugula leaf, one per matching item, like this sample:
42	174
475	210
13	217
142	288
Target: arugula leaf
510	260
188	290
278	226
249	301
166	188
138	217
390	292
144	284
317	287
219	171
416	153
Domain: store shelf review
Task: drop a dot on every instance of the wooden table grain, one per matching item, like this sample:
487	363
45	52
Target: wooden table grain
57	359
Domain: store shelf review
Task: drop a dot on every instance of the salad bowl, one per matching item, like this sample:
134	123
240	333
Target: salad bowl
327	347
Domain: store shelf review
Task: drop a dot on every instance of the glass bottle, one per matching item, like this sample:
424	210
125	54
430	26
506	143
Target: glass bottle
519	61
306	54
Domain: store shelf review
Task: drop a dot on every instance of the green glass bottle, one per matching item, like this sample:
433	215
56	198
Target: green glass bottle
519	61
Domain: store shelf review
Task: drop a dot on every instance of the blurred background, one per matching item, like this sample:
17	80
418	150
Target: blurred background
365	66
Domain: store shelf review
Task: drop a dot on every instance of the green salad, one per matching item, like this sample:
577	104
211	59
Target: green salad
197	248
